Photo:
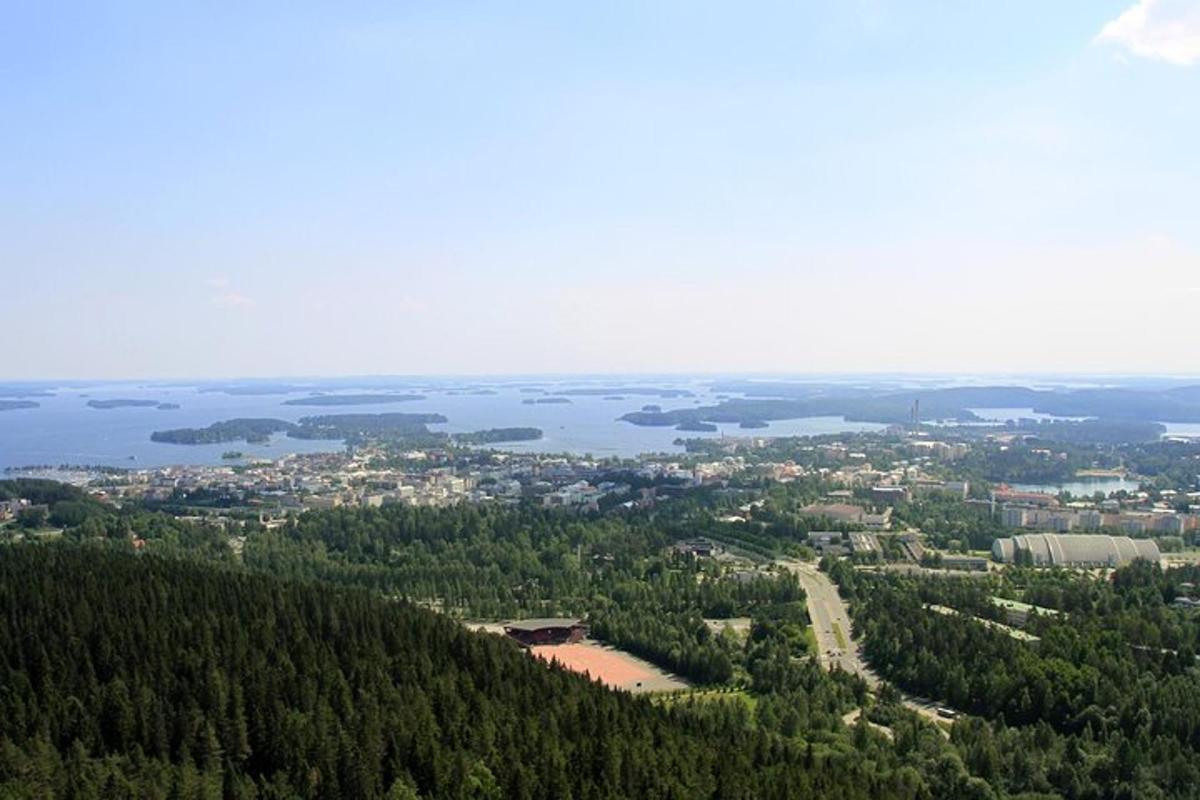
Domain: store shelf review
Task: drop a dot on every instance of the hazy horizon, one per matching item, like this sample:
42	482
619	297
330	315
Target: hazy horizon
677	188
349	380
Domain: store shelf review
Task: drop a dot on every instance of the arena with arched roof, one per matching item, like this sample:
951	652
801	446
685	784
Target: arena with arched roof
1073	550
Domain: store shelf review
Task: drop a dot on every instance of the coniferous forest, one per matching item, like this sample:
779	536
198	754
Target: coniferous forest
308	663
128	676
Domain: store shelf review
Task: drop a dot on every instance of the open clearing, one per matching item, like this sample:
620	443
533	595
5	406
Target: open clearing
712	696
610	666
739	625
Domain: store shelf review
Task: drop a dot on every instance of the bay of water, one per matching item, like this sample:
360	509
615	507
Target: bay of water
1014	414
1189	429
64	430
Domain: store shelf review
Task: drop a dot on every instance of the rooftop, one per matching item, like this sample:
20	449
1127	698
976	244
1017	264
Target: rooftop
547	622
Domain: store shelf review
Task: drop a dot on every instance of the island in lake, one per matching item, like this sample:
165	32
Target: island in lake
13	405
496	435
249	430
409	428
406	429
696	425
546	401
123	402
352	399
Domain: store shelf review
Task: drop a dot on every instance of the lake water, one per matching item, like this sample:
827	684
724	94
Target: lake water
1189	429
64	430
1014	414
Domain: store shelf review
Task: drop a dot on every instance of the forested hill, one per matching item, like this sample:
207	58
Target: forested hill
126	676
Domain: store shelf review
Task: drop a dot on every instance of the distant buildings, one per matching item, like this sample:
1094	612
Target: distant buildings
965	563
889	494
939	450
863	542
1077	550
836	543
699	548
910	544
1108	517
847	514
1018	613
837	512
956	489
9	509
828	543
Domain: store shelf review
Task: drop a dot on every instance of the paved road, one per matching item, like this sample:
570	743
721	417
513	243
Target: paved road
828	613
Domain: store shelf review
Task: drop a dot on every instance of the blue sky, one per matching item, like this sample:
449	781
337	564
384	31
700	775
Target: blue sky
257	188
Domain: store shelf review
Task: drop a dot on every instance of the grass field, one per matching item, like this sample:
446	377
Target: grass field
711	696
841	637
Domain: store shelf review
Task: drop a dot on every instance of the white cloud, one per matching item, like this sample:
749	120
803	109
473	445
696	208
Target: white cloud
1163	30
233	300
224	293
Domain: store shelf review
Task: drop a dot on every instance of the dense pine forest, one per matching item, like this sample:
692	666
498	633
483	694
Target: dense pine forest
1105	702
127	676
146	656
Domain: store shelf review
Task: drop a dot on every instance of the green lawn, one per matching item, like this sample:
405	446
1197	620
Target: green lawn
810	637
708	695
841	637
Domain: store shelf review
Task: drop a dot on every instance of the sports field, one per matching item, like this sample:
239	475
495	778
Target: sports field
610	666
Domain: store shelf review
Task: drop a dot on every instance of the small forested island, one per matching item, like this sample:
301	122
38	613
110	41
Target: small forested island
356	427
352	399
406	429
13	405
232	455
1103	431
494	435
167	406
696	425
20	392
547	401
410	428
124	402
752	423
650	408
250	430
